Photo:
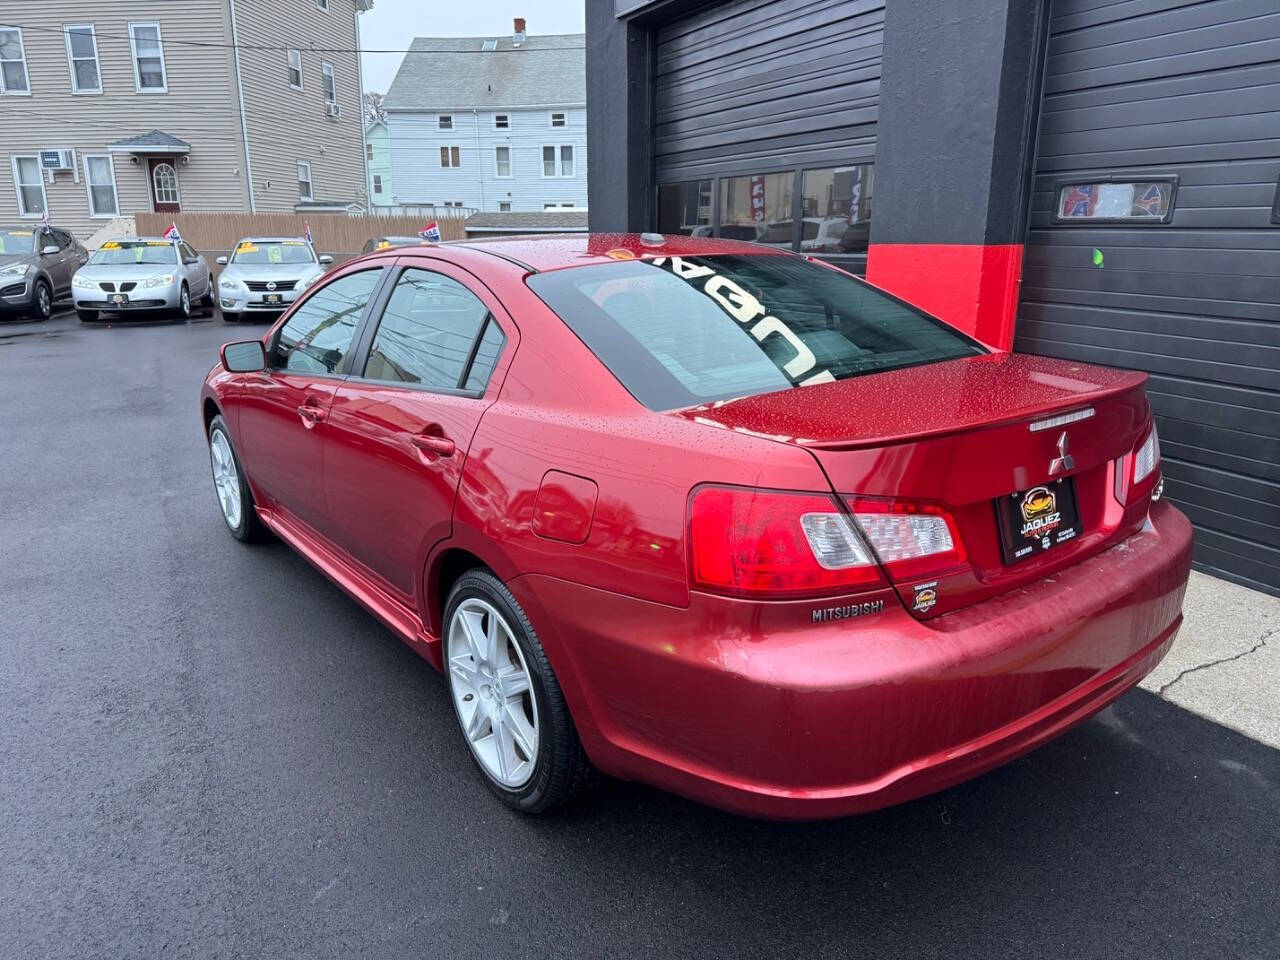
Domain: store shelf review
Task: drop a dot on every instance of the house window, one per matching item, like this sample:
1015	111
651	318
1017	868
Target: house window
502	161
489	45
13	62
164	180
295	69
1115	201
148	58
566	161
304	181
377	183
557	120
450	157
504	206
100	184
549	168
322	5
368	152
328	83
29	182
501	121
548	161
453	203
82	56
444	121
559	205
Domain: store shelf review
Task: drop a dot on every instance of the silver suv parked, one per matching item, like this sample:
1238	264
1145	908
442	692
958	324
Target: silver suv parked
142	275
36	267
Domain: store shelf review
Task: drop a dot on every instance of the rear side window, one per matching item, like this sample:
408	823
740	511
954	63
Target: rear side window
680	331
318	335
427	333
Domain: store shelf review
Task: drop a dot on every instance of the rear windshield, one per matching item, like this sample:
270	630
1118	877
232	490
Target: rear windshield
124	252
273	251
680	331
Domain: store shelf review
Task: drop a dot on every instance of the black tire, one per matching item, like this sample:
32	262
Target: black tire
230	317
184	303
250	529
562	771
42	301
208	299
87	316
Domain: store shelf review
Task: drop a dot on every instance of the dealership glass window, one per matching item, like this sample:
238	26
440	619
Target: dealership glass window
1115	200
295	69
502	161
836	206
13	62
29	182
427	332
148	58
318	335
100	182
758	208
685	208
82	55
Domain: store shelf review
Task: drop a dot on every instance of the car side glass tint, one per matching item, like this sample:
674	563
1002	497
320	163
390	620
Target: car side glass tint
427	331
486	357
319	334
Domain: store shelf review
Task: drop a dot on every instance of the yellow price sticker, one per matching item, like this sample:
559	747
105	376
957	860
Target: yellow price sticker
111	245
383	245
19	233
247	248
159	243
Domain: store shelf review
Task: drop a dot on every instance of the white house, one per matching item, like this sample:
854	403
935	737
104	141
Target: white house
493	124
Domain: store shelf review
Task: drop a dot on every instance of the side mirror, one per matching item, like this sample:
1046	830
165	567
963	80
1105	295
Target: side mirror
326	259
188	261
49	251
222	261
244	356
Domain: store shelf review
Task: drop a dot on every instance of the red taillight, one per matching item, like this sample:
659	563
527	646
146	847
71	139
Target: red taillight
757	543
914	541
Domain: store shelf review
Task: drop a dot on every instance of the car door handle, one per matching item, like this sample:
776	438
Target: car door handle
433	444
310	414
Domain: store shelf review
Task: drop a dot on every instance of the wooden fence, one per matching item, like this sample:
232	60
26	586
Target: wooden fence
215	234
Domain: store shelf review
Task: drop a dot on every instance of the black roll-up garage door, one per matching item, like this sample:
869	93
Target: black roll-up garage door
1148	105
758	84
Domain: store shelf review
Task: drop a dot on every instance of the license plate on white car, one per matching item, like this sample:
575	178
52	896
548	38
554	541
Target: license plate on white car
272	298
120	299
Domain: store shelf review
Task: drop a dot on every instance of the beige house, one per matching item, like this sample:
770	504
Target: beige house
155	105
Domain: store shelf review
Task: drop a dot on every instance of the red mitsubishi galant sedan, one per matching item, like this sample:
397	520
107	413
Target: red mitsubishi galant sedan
706	514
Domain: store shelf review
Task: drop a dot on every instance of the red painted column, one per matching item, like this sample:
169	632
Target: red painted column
973	287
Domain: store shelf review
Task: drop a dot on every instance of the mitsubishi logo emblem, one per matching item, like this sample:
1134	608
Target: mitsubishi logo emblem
1063	461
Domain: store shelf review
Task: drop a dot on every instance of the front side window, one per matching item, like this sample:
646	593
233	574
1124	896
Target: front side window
685	208
29	182
450	157
837	209
1118	201
100	182
680	331
758	208
328	83
444	122
427	332
148	58
304	181
502	161
119	253
295	69
318	334
13	62
82	56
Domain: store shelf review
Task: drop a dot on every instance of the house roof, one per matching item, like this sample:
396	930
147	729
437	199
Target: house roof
454	73
157	141
545	221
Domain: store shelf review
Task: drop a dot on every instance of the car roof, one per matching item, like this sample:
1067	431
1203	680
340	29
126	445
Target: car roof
558	251
271	239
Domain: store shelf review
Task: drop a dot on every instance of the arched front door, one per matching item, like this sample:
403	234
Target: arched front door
165	197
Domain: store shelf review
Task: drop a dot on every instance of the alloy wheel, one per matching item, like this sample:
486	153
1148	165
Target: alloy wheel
226	479
492	692
44	302
185	301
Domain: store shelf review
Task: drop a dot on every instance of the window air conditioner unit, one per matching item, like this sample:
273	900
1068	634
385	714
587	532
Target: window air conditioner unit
333	111
58	160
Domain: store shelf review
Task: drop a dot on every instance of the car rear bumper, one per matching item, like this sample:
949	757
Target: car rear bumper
758	709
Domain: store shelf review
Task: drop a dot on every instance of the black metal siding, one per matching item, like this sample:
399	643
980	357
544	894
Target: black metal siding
752	85
1190	89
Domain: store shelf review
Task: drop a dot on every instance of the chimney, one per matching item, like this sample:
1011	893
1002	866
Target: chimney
518	37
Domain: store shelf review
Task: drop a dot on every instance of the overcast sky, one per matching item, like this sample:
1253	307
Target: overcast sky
392	24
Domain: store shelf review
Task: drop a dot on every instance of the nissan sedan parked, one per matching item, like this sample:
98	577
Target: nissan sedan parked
264	275
142	275
36	267
706	515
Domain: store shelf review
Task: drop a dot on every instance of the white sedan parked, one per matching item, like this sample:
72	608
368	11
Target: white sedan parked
264	275
142	275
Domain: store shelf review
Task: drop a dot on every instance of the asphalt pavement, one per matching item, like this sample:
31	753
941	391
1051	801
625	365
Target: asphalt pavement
207	750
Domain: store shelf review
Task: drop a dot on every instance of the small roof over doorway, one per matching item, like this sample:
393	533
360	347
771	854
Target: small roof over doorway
155	142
